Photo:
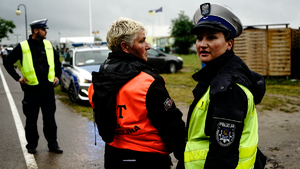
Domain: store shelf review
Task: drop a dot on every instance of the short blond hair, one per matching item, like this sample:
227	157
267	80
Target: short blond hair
123	29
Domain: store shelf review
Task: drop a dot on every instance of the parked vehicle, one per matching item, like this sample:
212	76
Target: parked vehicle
77	67
9	49
164	62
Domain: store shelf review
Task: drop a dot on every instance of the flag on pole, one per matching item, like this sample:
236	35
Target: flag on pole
158	10
151	12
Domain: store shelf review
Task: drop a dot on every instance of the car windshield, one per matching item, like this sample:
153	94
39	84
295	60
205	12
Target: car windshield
91	57
152	52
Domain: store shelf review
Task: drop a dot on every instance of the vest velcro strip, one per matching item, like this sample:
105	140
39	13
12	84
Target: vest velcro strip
247	152
195	155
249	162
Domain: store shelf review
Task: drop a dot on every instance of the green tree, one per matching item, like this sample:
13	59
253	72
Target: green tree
97	39
181	31
5	28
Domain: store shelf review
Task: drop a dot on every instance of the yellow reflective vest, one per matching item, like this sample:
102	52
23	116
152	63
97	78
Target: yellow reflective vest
27	63
197	146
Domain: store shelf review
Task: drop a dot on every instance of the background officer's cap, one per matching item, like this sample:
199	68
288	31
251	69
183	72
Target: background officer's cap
217	17
39	24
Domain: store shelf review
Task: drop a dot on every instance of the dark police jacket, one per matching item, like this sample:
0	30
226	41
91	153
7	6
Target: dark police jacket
40	63
114	73
221	75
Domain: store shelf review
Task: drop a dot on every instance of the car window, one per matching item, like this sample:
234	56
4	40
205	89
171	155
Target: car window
152	52
91	57
69	57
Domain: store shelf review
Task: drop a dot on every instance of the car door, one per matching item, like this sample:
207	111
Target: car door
66	70
157	59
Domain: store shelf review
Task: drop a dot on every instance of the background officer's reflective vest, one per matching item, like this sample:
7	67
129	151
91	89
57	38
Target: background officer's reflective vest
27	63
197	146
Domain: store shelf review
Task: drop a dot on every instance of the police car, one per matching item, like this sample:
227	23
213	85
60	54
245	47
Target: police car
77	67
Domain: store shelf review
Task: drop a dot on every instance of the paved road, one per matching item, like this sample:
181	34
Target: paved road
75	135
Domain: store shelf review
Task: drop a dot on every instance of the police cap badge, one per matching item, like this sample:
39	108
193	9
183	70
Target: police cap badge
205	9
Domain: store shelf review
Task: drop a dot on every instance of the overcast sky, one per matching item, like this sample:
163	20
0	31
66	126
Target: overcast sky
70	18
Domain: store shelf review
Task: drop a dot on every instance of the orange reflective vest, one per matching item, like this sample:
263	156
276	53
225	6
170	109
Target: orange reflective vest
90	94
134	130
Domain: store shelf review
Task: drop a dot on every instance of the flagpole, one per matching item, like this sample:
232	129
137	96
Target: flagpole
90	14
152	27
163	18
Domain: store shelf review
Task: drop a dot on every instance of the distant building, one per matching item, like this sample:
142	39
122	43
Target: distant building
67	42
162	43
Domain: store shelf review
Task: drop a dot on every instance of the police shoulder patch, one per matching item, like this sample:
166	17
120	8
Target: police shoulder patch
225	133
168	103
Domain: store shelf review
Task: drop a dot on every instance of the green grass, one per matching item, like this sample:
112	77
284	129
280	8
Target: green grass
288	90
181	84
285	87
82	108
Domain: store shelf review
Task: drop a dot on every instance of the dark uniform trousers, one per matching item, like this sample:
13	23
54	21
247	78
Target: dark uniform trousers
122	158
34	99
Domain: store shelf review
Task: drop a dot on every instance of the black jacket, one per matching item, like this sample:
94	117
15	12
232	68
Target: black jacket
116	71
40	62
228	101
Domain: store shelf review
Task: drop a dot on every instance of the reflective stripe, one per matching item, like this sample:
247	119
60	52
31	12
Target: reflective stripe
50	59
27	64
27	67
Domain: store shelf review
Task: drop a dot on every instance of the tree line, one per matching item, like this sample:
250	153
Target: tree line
180	30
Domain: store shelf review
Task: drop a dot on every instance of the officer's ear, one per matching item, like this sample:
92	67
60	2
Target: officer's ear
35	30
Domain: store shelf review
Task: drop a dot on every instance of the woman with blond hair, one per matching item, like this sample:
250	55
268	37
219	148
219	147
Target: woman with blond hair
135	115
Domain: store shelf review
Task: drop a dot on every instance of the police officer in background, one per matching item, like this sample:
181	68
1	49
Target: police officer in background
4	53
40	68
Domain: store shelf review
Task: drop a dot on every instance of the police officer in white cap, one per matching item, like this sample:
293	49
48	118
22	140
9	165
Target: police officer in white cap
40	68
222	119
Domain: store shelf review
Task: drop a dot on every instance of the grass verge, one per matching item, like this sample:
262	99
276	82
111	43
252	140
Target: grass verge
181	84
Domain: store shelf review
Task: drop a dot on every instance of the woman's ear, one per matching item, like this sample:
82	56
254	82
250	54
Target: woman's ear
124	47
230	44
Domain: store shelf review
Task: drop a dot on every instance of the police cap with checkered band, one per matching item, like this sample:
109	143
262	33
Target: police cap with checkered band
217	17
42	23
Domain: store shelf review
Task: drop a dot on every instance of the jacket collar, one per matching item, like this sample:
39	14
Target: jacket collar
206	74
117	70
34	41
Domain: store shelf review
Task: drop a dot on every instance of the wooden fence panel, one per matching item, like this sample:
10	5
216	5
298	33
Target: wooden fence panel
251	47
279	52
295	38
